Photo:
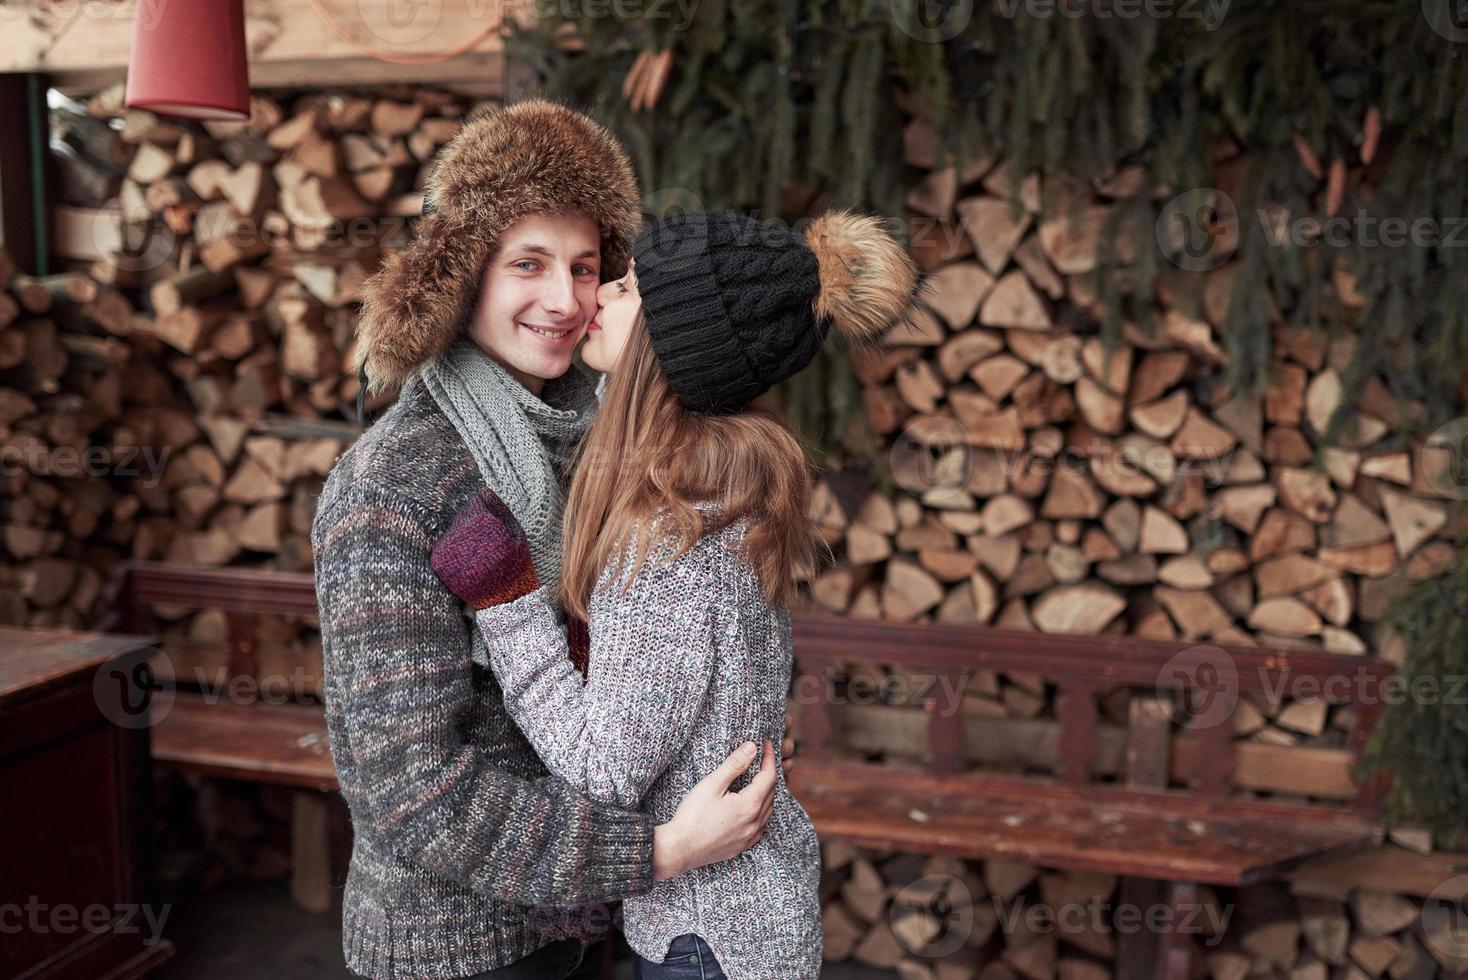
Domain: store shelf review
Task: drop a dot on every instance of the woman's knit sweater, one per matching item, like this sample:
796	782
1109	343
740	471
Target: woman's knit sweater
686	664
457	828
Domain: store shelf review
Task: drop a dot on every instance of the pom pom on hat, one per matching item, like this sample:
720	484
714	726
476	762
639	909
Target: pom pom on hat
868	282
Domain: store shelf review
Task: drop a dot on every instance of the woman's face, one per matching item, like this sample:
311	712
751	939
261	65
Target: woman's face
619	304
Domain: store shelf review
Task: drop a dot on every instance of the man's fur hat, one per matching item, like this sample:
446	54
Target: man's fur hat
507	163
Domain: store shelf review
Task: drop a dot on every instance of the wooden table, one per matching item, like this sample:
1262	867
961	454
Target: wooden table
75	809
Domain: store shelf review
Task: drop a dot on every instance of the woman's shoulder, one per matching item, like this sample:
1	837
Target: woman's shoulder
719	541
713	558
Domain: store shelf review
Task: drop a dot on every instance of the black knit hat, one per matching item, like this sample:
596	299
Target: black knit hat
734	305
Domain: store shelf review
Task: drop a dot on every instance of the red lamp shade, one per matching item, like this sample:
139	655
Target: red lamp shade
188	59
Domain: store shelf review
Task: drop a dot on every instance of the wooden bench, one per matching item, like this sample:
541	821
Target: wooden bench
225	735
1155	836
1164	840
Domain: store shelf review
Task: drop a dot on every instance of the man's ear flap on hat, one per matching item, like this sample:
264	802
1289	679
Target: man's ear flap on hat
416	305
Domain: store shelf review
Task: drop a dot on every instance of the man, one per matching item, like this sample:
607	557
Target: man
458	829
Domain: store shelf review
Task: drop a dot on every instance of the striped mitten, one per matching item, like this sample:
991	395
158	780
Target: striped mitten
484	558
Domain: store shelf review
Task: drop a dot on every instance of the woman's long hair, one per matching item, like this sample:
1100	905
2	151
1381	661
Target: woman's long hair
646	452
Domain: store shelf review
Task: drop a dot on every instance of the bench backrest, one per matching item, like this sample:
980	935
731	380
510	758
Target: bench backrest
1206	675
136	588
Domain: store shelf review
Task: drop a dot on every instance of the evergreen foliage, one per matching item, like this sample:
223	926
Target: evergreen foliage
1422	740
777	106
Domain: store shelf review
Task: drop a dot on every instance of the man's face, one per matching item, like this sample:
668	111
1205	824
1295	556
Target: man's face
538	294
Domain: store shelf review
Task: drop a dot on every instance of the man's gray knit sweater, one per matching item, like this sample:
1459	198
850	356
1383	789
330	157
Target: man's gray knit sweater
686	663
458	829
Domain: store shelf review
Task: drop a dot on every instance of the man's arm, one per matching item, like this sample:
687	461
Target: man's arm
397	655
652	657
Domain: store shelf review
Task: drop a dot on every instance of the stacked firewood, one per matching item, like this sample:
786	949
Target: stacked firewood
105	459
1044	479
248	242
61	424
1048	480
941	918
1053	482
180	393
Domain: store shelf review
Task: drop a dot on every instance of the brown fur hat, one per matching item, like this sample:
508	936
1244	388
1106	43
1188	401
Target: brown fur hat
507	163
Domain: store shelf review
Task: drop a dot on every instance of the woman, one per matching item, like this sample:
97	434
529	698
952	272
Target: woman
685	522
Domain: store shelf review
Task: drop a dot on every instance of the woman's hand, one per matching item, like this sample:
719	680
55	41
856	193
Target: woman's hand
712	824
484	558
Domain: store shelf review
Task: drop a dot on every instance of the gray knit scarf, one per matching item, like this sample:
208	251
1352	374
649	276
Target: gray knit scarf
522	443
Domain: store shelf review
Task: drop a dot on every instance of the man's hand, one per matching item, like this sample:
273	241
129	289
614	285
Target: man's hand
483	557
712	824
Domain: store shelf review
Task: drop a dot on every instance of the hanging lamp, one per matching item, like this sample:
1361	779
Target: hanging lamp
188	59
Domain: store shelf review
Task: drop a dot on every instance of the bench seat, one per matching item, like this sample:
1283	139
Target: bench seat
284	744
1096	828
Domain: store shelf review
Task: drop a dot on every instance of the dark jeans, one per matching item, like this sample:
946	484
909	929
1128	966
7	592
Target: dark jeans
565	959
689	958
